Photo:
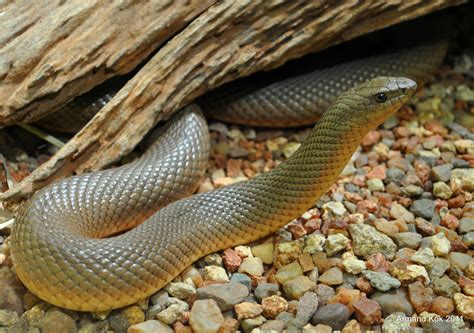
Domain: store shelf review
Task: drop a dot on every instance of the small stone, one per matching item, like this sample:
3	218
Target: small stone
273	326
242	279
57	321
464	305
215	273
420	296
408	273
371	138
133	314
249	324
423	208
332	276
231	260
264	290
377	263
306	262
321	328
205	316
246	310
466	224
149	326
397	322
351	264
225	295
347	297
180	290
368	312
468	239
173	313
424	227
366	240
230	325
243	251
375	185
399	212
298	286
334	315
314	243
192	274
423	256
460	260
444	286
364	285
252	266
325	293
8	318
442	190
412	191
335	243
381	280
333	208
442	306
387	227
438	268
272	306
439	244
441	173
290	148
264	252
411	240
307	306
288	272
393	302
467	285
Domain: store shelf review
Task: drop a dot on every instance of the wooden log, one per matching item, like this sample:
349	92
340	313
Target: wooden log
230	39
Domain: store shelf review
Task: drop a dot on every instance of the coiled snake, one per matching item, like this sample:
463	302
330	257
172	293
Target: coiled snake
56	243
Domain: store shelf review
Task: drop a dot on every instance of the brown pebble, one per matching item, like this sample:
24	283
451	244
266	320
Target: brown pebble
230	325
420	296
457	202
231	260
272	306
377	263
351	327
320	260
347	297
371	138
442	306
306	262
450	221
234	166
364	285
377	172
247	310
179	327
467	285
312	225
297	229
367	311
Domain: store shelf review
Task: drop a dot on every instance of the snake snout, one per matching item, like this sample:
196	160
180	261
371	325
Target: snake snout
407	87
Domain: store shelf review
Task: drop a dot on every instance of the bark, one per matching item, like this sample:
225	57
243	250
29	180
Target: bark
229	39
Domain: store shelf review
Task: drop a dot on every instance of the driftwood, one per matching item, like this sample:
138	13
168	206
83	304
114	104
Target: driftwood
229	39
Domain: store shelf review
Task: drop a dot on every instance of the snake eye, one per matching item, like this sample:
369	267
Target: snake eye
380	98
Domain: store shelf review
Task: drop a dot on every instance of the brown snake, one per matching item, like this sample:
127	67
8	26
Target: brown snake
55	245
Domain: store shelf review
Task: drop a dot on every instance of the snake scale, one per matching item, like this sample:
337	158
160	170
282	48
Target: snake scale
57	242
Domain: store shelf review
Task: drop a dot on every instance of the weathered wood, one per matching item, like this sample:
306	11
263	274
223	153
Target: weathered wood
230	39
52	51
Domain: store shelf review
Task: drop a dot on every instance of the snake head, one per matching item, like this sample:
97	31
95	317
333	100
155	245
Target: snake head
375	100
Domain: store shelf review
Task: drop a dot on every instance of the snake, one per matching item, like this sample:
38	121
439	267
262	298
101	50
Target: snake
108	239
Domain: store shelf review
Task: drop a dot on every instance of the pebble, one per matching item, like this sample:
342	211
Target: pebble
57	321
205	316
273	305
367	311
346	296
180	290
423	256
397	322
8	317
325	293
423	208
466	224
393	302
381	280
288	272
464	305
438	268
314	243
215	273
335	315
321	328
249	324
246	310
307	306
230	325
333	208
297	287
306	262
460	260
442	190
243	251
375	185
439	244
225	295
387	227
366	240
441	173
421	297
231	260
351	264
264	290
332	276
264	252
444	286
242	279
252	266
377	263
149	326
411	240
173	313
335	243
408	273
442	306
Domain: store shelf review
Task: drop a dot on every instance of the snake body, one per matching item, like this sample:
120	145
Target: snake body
55	245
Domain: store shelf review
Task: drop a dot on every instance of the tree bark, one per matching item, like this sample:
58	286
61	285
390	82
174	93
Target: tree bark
228	40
